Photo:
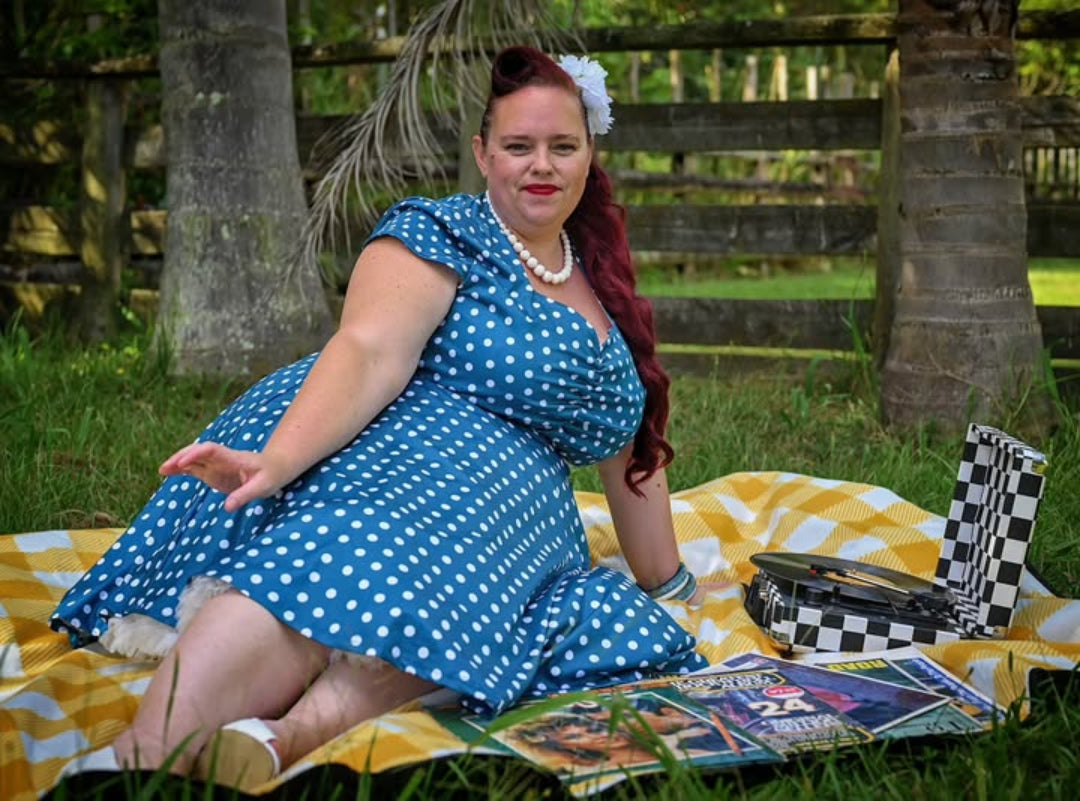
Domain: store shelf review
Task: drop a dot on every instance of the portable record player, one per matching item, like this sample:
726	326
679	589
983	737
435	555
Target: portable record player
807	602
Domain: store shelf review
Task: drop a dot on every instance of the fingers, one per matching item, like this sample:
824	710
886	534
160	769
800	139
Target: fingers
187	456
242	475
244	494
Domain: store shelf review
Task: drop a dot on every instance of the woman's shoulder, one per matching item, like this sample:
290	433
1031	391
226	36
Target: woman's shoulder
451	210
448	230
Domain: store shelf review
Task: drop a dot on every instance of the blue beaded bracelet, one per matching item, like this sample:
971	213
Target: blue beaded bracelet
687	591
680	587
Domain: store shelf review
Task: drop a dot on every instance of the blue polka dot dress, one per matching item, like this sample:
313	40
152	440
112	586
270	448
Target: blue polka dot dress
444	539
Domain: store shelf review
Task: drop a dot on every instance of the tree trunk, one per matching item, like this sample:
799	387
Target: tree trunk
232	300
965	343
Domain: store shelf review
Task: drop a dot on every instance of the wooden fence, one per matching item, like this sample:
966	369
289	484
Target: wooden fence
49	242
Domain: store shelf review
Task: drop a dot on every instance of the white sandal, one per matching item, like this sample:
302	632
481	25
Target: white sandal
239	755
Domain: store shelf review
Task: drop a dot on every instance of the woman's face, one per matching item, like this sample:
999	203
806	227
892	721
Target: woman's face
536	158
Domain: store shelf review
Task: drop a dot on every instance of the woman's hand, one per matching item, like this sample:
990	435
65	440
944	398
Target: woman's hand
243	475
698	598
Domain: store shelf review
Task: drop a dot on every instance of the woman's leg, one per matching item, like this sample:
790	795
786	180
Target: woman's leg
344	695
235	660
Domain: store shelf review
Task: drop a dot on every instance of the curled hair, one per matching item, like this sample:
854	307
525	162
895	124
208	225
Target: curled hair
598	229
517	67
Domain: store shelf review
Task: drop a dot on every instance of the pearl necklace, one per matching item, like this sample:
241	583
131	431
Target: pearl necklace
529	260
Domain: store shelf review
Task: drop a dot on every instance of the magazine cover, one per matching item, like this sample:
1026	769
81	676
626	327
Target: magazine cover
775	710
968	709
593	743
750	709
876	705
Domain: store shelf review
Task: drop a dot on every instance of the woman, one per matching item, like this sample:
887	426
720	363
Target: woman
396	515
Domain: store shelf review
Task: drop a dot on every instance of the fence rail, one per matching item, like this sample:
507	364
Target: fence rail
856	124
838	29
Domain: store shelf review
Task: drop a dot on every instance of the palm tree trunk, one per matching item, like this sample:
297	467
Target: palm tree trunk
232	301
965	343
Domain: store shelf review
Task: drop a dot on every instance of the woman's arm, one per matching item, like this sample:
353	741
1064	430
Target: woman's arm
643	525
394	303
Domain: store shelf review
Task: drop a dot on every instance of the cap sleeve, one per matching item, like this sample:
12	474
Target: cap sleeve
440	231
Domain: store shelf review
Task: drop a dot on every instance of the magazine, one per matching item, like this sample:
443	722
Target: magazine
593	742
879	706
751	709
778	712
968	710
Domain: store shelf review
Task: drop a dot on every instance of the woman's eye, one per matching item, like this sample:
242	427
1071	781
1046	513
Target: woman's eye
565	150
517	147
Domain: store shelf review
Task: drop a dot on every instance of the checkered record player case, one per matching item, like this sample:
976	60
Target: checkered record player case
816	603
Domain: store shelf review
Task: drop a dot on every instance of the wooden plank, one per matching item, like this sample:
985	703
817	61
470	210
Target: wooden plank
723	366
44	231
1049	25
817	30
807	324
32	300
1048	121
41	231
794	324
695	127
839	29
1053	230
669	182
1051	121
41	142
1060	330
823	29
310	129
792	125
810	324
144	148
145	272
774	230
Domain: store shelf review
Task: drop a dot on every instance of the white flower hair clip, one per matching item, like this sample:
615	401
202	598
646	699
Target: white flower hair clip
589	77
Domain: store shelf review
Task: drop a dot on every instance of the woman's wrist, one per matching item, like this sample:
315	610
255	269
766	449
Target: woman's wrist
680	587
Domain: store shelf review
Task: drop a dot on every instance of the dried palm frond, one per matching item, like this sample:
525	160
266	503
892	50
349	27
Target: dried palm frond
392	142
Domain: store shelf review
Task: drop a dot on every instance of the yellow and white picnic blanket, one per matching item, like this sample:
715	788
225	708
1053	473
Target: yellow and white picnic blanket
56	703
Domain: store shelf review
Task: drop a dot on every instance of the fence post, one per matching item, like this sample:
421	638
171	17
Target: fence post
888	221
469	178
103	209
682	163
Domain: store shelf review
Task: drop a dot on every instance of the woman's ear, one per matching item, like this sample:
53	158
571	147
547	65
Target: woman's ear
478	154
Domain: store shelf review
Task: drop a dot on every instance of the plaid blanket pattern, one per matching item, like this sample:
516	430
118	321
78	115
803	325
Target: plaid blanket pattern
56	703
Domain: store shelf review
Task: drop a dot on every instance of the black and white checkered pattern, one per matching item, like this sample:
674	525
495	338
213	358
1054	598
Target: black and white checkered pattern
987	533
804	628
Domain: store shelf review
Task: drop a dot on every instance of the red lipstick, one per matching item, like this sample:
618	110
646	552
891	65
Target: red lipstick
541	189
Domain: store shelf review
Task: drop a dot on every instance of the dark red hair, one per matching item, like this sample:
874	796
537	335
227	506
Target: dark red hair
597	228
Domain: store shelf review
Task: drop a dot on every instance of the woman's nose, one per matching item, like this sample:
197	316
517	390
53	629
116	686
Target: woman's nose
542	162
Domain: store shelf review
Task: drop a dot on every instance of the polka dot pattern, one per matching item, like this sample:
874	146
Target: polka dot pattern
445	538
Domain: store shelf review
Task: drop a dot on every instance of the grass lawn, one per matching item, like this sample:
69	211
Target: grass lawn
82	432
1054	282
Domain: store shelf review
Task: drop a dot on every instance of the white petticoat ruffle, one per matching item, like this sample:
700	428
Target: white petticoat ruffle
143	637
